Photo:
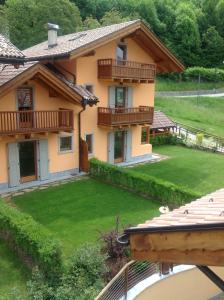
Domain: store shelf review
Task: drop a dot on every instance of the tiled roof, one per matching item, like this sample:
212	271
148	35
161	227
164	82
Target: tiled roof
8	50
160	120
8	72
204	211
70	42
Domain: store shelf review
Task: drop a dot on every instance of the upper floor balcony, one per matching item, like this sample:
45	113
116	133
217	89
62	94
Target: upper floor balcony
125	70
125	116
28	121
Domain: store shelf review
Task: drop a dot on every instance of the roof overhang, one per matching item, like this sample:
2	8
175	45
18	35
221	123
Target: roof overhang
165	60
192	244
39	72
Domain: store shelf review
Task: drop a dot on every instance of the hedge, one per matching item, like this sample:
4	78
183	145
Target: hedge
192	74
166	139
163	191
31	241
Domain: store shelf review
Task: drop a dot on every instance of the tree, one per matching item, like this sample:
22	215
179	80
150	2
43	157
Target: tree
90	23
28	18
219	16
3	21
212	48
112	17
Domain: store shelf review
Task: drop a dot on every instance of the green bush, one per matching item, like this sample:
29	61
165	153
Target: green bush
166	192
192	74
168	139
31	241
83	279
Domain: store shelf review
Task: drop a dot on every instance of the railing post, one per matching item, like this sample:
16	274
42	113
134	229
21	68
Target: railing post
126	282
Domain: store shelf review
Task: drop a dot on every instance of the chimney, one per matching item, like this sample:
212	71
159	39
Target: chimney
52	34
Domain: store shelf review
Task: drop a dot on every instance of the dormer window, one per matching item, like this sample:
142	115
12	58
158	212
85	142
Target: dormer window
121	52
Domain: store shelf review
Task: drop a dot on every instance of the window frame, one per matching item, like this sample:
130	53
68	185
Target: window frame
92	141
147	135
59	143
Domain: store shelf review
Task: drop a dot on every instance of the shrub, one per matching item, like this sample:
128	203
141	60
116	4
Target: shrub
168	139
31	241
166	192
118	254
83	279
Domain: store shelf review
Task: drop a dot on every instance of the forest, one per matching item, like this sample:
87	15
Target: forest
192	29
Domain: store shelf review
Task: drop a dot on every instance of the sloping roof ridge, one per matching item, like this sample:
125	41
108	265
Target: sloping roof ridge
86	31
8	50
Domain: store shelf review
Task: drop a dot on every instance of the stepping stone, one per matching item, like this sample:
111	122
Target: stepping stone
43	187
18	194
3	196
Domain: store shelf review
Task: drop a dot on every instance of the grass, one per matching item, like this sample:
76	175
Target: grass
165	85
205	113
198	170
77	211
13	272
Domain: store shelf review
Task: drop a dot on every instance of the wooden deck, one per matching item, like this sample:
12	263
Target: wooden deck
125	70
25	122
125	116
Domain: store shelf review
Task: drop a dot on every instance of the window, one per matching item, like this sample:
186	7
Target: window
89	141
145	135
89	88
120	97
121	52
25	98
65	143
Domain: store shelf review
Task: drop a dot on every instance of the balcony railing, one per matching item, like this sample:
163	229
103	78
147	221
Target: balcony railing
13	122
126	70
125	116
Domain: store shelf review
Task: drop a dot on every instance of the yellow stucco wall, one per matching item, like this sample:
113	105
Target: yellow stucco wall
187	285
143	94
58	162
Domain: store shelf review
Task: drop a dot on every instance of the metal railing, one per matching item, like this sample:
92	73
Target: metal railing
189	135
131	274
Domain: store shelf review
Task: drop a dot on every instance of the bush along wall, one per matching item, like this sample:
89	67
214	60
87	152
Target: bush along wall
32	241
168	139
163	191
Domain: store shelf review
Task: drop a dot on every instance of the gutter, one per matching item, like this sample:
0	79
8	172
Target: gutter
79	129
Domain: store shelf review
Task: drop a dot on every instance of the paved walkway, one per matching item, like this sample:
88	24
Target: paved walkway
201	93
21	190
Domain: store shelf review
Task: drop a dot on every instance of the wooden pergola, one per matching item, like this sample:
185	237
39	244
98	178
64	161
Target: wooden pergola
192	234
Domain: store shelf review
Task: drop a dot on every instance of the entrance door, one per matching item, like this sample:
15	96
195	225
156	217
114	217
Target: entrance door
27	161
119	143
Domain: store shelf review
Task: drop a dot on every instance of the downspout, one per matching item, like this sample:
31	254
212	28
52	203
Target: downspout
79	131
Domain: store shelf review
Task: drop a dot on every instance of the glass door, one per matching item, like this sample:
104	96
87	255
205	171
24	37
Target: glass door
27	161
120	98
25	107
119	138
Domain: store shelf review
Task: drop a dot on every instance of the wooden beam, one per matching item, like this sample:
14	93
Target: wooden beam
188	247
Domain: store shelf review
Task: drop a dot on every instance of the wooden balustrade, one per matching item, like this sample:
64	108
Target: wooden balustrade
125	116
13	122
126	70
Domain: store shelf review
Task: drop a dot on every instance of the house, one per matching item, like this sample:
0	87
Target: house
49	121
189	235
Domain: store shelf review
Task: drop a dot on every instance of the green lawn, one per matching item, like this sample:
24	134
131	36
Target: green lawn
205	113
13	272
77	211
198	170
165	85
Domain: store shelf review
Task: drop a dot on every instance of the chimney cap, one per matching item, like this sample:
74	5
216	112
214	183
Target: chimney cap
51	26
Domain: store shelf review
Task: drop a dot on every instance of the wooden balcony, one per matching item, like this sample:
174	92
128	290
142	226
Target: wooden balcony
25	122
125	116
125	70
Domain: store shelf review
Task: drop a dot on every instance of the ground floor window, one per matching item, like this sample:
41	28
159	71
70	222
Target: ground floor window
89	141
145	135
65	143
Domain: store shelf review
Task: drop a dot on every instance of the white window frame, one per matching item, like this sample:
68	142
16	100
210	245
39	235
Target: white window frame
92	134
61	135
